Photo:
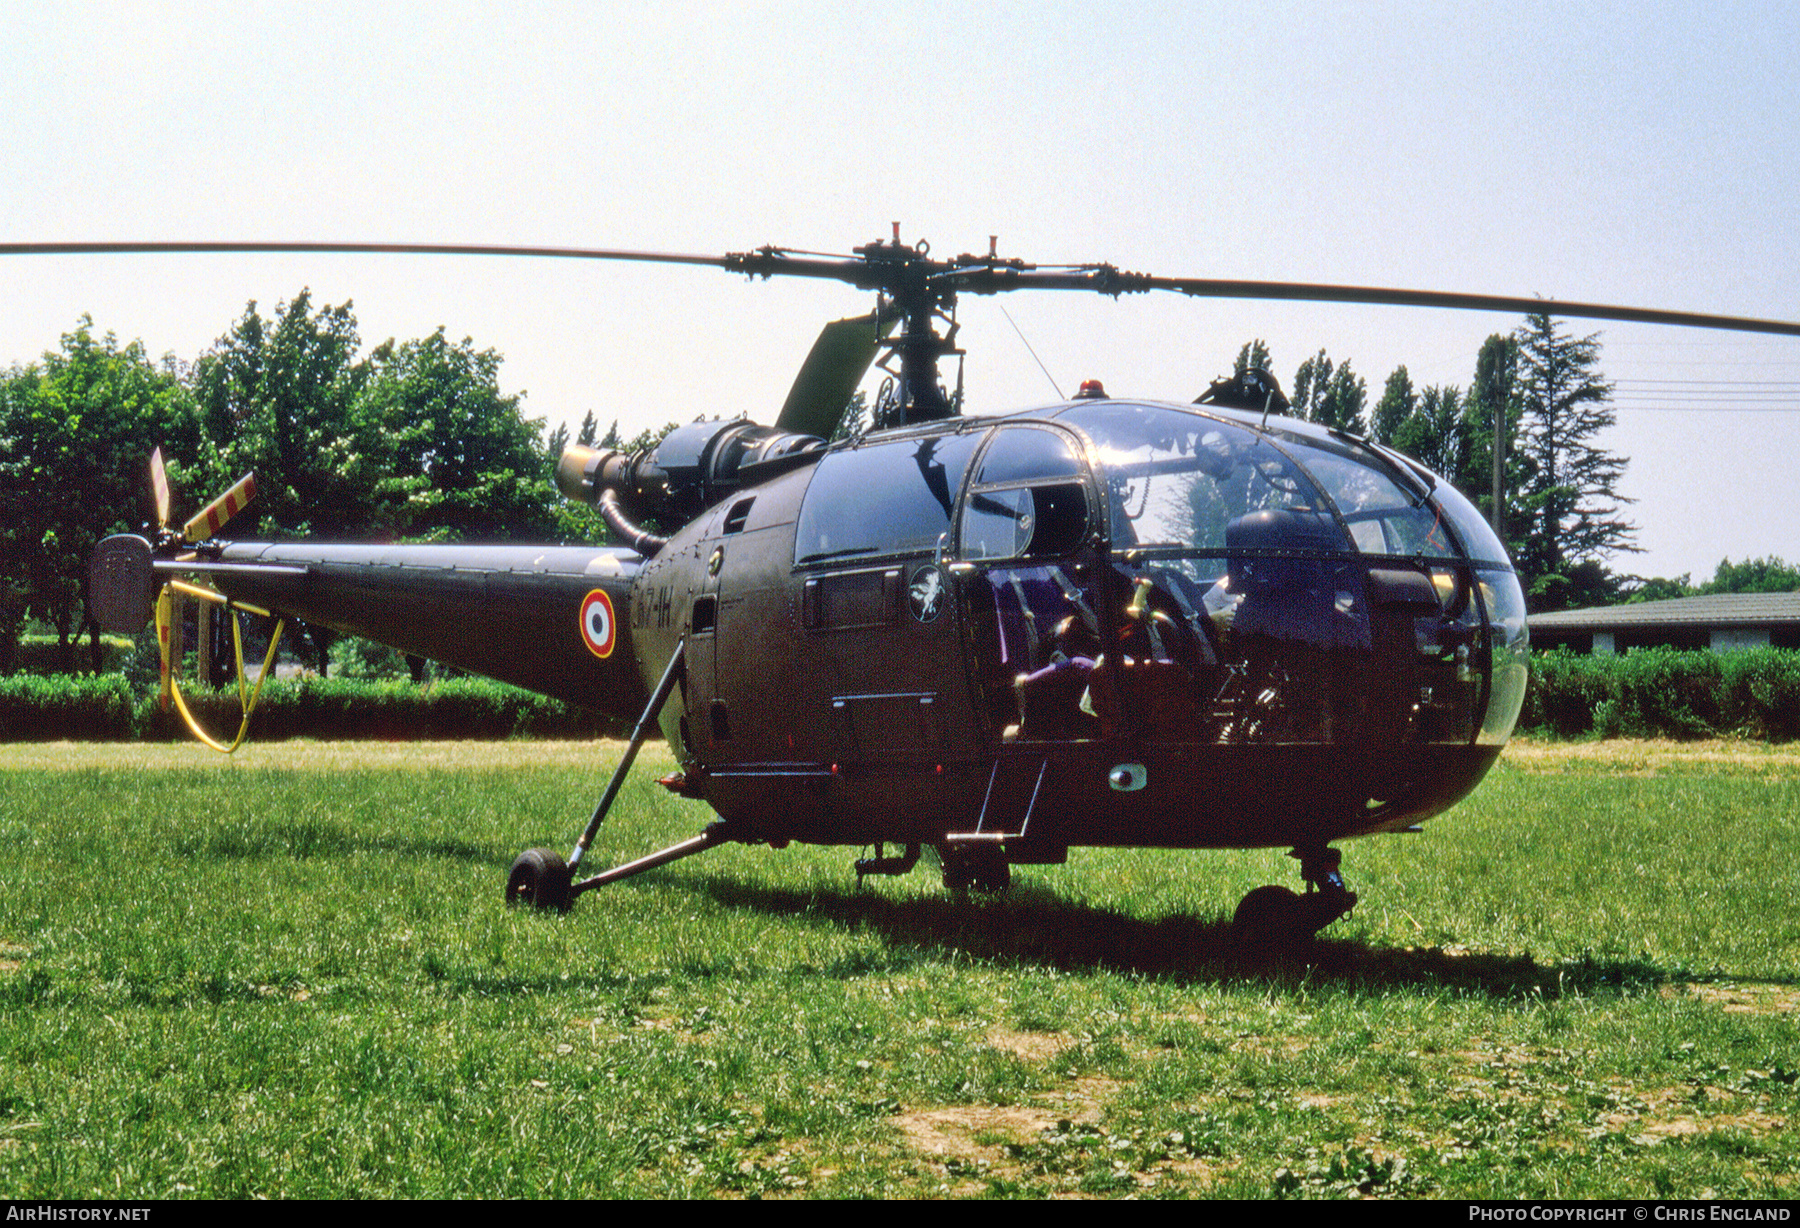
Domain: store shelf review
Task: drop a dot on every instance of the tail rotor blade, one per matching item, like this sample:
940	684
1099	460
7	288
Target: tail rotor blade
210	519
159	481
830	374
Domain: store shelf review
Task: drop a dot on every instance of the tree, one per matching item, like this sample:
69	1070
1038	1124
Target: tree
1770	575
278	397
1660	588
1311	380
1571	504
1436	434
1254	356
75	440
1398	401
1493	394
855	419
1330	396
460	462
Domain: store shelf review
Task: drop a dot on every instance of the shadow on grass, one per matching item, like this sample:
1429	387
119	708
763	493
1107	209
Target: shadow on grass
311	838
1037	928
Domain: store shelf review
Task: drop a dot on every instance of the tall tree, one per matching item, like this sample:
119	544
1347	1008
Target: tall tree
1398	401
1312	379
1571	505
855	419
1436	434
1254	356
279	397
462	463
1346	401
1493	401
1331	396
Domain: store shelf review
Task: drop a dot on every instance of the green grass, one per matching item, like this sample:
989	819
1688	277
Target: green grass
289	974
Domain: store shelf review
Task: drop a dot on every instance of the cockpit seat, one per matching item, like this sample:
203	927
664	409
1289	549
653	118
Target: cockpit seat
1285	564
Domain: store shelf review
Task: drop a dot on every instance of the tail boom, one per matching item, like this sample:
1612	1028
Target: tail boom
551	619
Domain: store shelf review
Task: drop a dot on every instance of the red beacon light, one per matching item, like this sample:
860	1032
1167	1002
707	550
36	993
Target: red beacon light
1091	390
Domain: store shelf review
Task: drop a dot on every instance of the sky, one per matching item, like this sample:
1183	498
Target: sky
1642	154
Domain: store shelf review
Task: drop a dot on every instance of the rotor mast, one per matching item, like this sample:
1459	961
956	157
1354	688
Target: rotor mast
916	291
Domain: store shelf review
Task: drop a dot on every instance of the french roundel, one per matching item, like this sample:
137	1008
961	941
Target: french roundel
599	628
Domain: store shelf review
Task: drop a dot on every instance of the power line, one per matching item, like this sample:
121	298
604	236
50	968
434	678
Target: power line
1707	395
1712	409
1788	385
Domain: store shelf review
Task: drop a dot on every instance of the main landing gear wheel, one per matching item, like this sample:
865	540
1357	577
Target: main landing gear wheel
540	878
975	867
1273	918
1268	919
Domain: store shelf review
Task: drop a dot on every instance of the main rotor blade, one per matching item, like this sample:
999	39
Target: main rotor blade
966	274
832	370
393	249
1107	280
1376	296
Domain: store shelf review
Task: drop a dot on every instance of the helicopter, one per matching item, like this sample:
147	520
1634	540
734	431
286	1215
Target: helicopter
1096	622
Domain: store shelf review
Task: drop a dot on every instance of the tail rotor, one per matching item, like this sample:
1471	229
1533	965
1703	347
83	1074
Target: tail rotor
124	589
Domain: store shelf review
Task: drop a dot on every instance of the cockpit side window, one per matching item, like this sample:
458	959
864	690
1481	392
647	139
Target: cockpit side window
1470	525
1028	499
1027	454
1382	517
1024	522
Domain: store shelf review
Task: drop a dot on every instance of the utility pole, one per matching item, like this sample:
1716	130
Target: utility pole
1497	510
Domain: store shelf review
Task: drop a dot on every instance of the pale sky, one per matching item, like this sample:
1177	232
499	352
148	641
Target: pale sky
1634	153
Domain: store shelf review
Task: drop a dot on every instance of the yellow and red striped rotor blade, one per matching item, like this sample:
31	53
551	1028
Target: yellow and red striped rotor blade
211	518
159	481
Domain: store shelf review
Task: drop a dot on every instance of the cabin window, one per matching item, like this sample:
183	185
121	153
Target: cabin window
1028	498
883	499
1026	454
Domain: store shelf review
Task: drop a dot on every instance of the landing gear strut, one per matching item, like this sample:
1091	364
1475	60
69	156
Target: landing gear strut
882	864
543	879
1270	918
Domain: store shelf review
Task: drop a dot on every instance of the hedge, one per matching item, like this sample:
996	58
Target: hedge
37	708
1666	693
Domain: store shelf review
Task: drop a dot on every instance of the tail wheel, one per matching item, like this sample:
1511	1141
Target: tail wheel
539	878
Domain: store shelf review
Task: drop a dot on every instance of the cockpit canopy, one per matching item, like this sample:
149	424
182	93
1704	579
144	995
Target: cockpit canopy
1171	478
1250	540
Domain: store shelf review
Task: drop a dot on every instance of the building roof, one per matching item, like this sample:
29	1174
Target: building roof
1714	610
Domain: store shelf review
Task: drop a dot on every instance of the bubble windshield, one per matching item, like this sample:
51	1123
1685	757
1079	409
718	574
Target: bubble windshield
1178	480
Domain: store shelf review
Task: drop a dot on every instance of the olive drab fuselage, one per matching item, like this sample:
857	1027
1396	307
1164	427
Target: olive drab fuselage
1098	623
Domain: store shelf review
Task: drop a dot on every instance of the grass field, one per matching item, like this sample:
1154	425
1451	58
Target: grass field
290	974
